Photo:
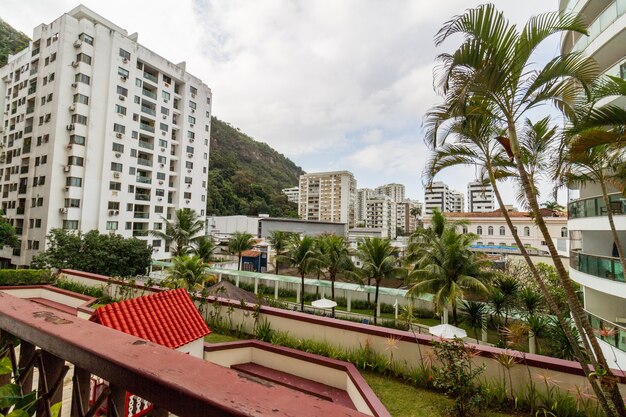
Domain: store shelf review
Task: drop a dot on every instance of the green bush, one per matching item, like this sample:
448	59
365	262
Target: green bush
96	292
11	277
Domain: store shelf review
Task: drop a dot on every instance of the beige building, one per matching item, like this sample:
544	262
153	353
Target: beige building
328	196
405	221
394	191
362	194
381	214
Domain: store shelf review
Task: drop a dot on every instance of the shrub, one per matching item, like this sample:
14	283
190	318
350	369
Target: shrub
25	276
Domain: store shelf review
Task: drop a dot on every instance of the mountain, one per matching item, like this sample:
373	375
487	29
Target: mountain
11	41
246	176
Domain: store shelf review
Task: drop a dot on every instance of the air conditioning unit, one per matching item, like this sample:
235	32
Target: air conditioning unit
66	189
116	174
188	185
70	127
116	212
74	64
114	193
191	125
163	132
62	210
125	60
188	171
77	43
74	85
165	100
118	135
122	98
190	140
160	198
187	201
117	155
193	95
124	77
66	168
72	107
193	111
162	149
190	155
162	165
69	146
160	182
167	84
165	116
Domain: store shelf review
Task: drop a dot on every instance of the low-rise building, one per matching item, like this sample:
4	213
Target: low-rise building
302	227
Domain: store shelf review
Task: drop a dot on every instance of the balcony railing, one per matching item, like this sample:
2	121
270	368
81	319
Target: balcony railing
147	127
150	77
594	206
150	94
164	377
148	110
140	215
602	22
598	266
144	162
142	197
146	145
611	333
144	180
140	233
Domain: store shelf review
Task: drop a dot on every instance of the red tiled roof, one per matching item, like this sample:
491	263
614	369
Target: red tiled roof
168	318
251	253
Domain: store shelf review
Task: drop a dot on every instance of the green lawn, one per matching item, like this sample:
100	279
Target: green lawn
402	400
219	338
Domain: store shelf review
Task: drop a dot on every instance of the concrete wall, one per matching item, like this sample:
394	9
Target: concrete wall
308	228
195	348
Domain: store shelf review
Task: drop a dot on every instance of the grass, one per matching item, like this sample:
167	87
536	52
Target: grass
403	400
219	338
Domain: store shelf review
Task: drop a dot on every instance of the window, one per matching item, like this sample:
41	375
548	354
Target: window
191	135
55	37
160	192
79	119
70	224
129	225
51	77
192	105
479	230
162	143
164	127
77	140
526	231
167	79
193	90
82	78
156	243
158	226
112	225
74	182
72	203
563	231
122	91
158	209
122	72
192	119
119	128
502	231
120	109
543	243
81	98
138	82
83	58
75	160
118	147
86	38
161	159
188	180
137	99
189	165
116	166
53	57
464	227
124	54
165	95
187	196
165	111
490	230
37	223
189	149
115	186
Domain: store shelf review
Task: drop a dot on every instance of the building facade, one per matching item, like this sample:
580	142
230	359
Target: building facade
362	194
439	196
381	214
98	132
328	196
393	191
480	197
292	193
594	262
406	220
457	202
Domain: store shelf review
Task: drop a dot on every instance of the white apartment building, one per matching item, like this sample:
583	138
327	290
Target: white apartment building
457	201
362	194
439	196
480	197
292	193
394	191
406	221
381	214
593	260
98	132
328	196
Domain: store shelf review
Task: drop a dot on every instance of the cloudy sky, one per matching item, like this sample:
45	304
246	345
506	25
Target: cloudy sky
331	84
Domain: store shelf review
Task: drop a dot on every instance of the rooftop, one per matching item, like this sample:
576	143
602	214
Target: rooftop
517	214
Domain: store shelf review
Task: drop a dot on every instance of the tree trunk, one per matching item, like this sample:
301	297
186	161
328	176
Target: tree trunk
239	262
554	307
616	239
368	293
455	317
302	294
580	318
332	291
376	302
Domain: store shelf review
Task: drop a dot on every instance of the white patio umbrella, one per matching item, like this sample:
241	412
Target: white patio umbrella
324	303
447	331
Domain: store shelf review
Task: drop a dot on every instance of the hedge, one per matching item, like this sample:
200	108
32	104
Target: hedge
25	276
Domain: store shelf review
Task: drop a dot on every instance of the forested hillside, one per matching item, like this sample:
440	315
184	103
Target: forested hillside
11	41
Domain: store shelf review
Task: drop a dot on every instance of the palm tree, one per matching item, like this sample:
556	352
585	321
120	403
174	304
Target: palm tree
508	287
538	327
552	205
530	300
379	261
188	272
181	232
204	247
239	242
301	254
279	240
446	267
474	317
335	258
495	65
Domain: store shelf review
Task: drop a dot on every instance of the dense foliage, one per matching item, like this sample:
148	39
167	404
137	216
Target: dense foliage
11	41
105	254
25	276
246	176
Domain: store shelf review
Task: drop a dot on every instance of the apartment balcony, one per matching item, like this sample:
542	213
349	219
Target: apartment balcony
150	77
140	233
142	197
148	110
614	11
609	332
30	109
146	127
594	206
141	215
146	145
34	52
144	162
599	266
149	94
143	180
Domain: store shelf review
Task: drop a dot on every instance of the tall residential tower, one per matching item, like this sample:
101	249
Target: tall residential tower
328	196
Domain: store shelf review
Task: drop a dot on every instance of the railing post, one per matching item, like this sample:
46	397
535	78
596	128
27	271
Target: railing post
27	350
52	369
349	301
80	395
116	402
276	290
256	285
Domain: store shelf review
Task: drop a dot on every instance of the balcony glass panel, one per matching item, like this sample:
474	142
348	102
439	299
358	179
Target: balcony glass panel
147	127
148	110
149	94
144	180
146	145
599	266
594	206
150	77
602	22
609	332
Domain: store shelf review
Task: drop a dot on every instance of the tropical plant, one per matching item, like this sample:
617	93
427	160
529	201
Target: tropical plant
553	205
180	233
7	233
474	314
239	242
508	286
530	300
335	258
495	67
189	272
445	266
204	248
380	261
302	255
538	328
279	241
